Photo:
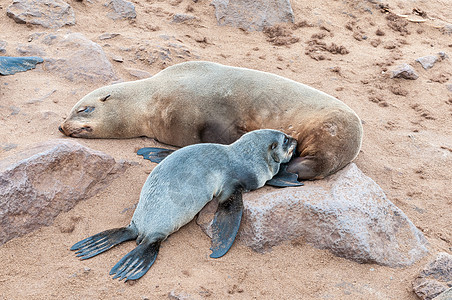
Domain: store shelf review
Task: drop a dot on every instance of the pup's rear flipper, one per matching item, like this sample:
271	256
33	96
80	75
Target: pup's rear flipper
103	241
284	178
226	224
137	262
154	154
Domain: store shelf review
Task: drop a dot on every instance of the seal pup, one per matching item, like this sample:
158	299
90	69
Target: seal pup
181	185
196	102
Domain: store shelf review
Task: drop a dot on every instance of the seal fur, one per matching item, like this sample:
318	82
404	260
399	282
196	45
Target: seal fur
195	102
181	185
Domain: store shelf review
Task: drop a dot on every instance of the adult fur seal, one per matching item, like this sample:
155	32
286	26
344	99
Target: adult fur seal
195	102
179	187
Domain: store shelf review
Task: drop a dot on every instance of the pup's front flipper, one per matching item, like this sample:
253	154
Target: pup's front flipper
103	241
138	261
154	154
226	224
284	178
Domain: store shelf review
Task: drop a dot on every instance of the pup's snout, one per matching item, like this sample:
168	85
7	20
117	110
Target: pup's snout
61	129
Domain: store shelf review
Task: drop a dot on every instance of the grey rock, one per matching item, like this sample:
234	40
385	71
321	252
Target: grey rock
449	87
446	295
435	278
404	71
347	213
121	9
76	58
447	29
47	13
182	18
428	61
252	14
39	183
107	36
140	74
3	47
30	50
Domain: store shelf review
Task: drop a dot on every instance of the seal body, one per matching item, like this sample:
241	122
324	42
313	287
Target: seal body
198	102
182	184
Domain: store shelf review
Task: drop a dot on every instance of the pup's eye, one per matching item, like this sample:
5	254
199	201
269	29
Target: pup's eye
286	140
85	109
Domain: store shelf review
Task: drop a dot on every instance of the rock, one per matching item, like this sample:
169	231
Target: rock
182	18
435	278
347	213
75	58
404	71
47	13
140	74
252	14
107	36
427	62
449	87
3	46
12	65
446	295
121	9
39	183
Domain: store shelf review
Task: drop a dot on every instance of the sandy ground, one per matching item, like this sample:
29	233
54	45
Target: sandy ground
407	150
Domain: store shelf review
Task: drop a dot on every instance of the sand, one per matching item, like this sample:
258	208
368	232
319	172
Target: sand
407	148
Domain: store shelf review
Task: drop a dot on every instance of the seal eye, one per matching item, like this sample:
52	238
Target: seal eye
274	145
105	98
286	140
86	109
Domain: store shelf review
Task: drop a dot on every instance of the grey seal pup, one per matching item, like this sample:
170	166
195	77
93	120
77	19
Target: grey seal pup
181	185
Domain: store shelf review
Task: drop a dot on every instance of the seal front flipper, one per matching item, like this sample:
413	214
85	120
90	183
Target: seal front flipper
154	154
138	261
226	224
284	178
103	241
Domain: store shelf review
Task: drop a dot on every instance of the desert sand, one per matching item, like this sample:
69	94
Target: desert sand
407	147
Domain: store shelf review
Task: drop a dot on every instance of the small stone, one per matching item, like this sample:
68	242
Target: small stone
435	278
181	18
404	71
449	87
3	46
427	62
121	9
117	59
140	74
107	36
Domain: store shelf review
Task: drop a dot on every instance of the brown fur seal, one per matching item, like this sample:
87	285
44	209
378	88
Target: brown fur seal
197	102
181	185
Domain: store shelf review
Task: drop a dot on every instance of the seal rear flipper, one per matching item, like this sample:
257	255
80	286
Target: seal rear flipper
103	241
284	178
226	224
154	154
137	262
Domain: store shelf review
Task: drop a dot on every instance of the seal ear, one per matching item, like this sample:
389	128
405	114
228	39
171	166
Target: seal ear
274	154
104	98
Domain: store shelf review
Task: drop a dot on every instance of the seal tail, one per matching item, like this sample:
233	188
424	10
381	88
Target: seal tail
137	262
154	154
103	241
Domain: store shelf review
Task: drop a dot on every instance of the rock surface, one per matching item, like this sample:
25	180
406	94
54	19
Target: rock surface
121	9
39	183
252	15
404	71
428	61
446	295
47	13
347	213
72	56
435	278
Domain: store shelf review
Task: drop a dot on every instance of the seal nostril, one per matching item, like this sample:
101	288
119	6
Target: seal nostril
60	129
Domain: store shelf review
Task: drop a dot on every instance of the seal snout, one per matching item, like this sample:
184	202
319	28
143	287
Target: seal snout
61	129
